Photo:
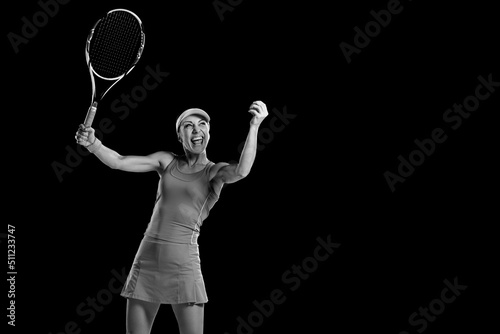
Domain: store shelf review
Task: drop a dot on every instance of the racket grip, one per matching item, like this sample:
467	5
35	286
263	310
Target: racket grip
90	115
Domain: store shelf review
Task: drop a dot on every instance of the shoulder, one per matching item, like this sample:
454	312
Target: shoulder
215	176
164	158
215	168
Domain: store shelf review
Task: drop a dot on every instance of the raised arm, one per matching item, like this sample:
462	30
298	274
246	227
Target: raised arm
153	162
229	173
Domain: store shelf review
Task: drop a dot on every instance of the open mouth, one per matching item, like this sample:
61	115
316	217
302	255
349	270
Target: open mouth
198	140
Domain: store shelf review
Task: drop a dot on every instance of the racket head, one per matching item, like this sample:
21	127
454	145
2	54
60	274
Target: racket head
115	44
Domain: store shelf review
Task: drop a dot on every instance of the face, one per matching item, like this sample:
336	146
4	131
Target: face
194	133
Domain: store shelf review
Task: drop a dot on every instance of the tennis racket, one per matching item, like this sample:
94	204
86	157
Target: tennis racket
114	46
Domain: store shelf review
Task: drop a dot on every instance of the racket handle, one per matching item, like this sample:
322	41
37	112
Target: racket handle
90	115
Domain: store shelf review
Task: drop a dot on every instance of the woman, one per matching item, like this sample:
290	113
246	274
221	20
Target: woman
166	268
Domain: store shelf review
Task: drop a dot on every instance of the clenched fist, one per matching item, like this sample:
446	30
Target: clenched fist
259	111
85	136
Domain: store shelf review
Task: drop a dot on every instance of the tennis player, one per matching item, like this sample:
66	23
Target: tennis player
166	268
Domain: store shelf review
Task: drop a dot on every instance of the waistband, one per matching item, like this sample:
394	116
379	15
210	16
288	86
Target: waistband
192	240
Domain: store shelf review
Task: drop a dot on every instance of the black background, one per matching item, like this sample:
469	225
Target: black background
322	175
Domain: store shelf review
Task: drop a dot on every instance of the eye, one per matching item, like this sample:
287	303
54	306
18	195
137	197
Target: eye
187	125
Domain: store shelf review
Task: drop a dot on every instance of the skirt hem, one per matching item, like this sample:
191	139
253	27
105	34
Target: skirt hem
152	300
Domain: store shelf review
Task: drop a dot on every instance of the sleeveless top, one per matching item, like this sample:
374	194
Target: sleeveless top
183	201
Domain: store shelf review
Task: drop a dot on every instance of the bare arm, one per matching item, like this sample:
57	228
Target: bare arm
131	163
227	173
153	162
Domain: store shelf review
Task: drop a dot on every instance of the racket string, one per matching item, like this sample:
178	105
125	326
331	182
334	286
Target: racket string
115	45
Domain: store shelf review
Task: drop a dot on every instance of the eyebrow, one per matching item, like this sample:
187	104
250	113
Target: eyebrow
201	120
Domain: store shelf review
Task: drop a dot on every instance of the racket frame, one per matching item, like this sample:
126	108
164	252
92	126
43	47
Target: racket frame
96	99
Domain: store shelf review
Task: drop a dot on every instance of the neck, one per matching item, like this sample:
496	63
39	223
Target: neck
196	158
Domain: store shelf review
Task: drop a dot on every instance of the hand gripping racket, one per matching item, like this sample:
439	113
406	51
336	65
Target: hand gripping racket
114	46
